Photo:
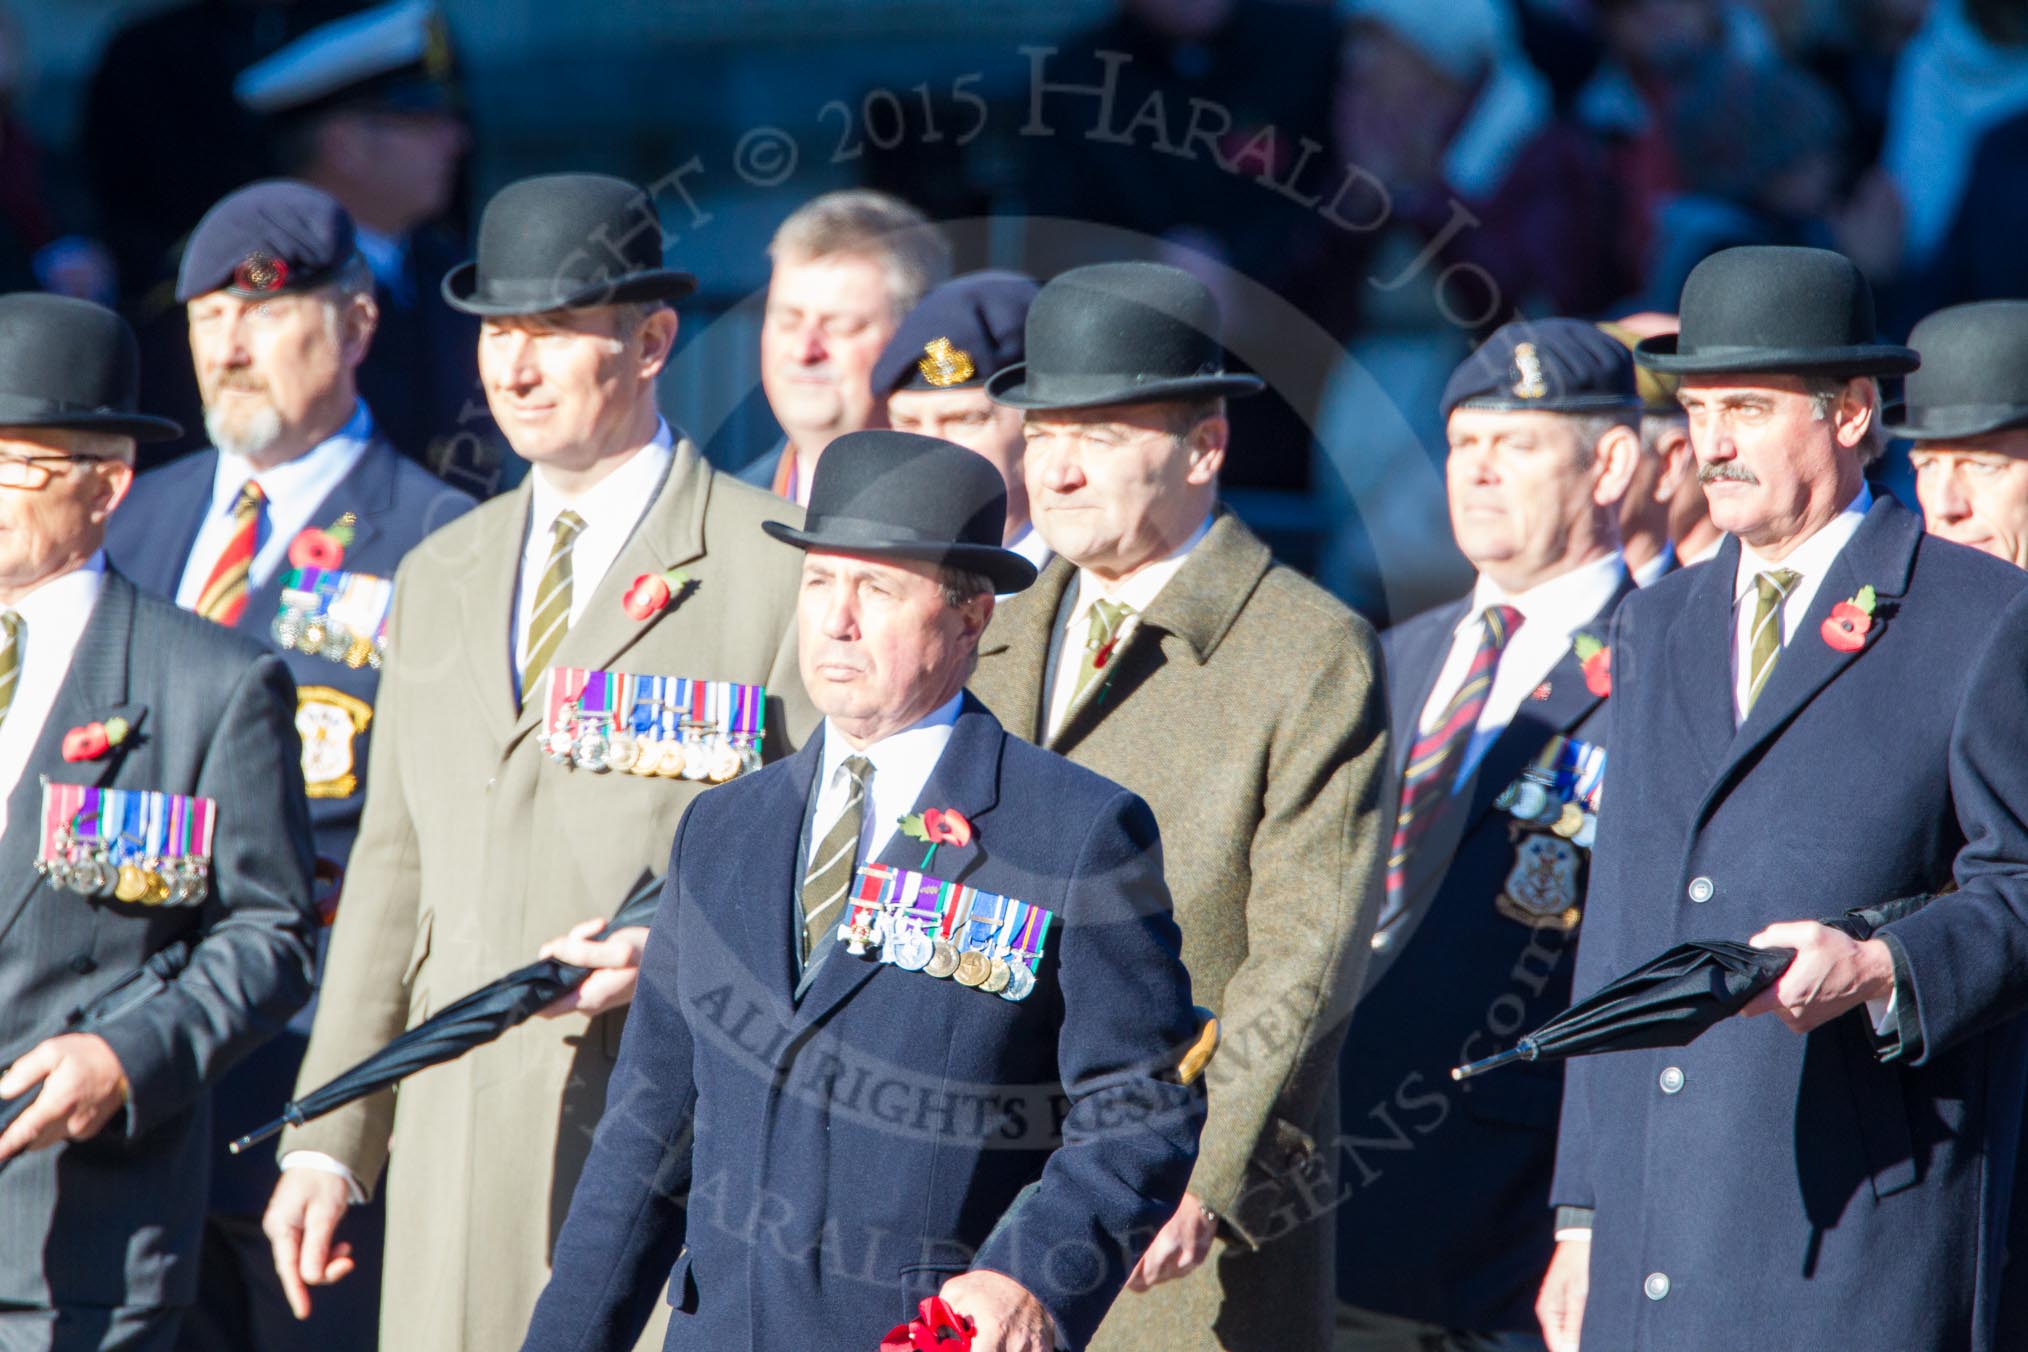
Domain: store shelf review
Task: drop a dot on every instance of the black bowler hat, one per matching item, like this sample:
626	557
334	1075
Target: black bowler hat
71	364
958	335
1974	376
1776	310
1546	366
564	241
266	239
1120	333
902	496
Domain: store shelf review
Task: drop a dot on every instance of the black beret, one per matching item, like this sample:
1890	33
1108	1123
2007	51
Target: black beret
958	334
266	239
1545	366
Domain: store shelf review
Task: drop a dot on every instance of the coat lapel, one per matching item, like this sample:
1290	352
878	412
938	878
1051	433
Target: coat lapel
1881	554
670	534
367	492
1019	640
488	605
1410	697
966	777
768	921
95	687
1198	606
1700	657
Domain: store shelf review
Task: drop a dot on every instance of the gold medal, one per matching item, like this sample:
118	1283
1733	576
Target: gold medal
973	969
312	640
670	763
159	888
132	884
1569	821
943	958
357	653
998	974
647	755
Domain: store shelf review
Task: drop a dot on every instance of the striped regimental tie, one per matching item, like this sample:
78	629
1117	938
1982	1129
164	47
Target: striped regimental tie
1433	760
1101	640
829	876
224	595
1764	640
12	634
549	620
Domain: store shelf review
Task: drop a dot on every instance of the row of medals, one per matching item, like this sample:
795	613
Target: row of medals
696	754
320	638
92	871
914	949
1531	801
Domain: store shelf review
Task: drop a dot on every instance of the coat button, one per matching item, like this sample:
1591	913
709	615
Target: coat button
82	964
1672	1080
1656	1286
1701	890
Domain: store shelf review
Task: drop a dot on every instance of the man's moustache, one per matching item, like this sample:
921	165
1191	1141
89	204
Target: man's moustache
1727	473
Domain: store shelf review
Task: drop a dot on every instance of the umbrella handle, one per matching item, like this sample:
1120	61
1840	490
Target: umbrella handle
1524	1050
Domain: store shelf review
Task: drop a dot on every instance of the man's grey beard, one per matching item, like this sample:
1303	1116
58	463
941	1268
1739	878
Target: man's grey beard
256	433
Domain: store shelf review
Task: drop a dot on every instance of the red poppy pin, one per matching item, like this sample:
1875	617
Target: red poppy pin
652	592
1597	661
90	741
938	1328
1850	620
937	826
314	548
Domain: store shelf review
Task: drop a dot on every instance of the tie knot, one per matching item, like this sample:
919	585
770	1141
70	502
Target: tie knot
1500	623
858	769
251	497
566	526
11	625
1106	619
1774	587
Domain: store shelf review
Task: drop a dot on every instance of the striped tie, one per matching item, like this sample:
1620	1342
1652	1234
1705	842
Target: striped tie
1100	642
550	619
829	876
1433	760
10	659
224	595
1764	644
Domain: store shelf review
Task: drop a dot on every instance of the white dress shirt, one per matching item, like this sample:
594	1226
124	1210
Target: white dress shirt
295	490
1138	591
611	509
1656	568
901	766
1551	613
53	618
1809	560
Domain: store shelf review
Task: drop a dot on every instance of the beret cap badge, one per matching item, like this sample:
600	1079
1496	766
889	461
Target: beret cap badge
1528	381
260	272
944	365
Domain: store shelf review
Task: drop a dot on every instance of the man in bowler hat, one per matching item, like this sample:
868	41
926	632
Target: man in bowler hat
1497	729
933	376
1164	648
1966	411
103	1176
281	315
787	1051
1833	1176
497	826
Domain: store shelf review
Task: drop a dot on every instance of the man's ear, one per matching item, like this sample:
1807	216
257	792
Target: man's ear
1858	409
1207	442
1679	462
657	340
1613	461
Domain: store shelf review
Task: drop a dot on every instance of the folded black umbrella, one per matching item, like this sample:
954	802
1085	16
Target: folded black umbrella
470	1022
1671	1000
137	987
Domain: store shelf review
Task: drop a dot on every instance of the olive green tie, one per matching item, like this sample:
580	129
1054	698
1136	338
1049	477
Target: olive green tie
550	618
1764	644
1108	618
835	860
10	659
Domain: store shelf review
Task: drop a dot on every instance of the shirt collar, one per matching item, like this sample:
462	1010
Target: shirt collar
1561	604
1812	558
617	497
64	601
1140	590
315	471
919	744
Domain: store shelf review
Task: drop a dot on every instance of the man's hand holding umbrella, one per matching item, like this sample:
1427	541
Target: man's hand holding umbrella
615	960
1832	973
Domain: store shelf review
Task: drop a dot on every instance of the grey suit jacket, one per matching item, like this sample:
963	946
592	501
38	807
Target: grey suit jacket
115	1220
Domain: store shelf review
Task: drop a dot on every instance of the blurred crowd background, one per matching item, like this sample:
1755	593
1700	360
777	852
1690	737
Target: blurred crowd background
1370	185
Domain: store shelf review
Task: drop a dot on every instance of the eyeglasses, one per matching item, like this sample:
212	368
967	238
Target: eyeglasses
34	471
